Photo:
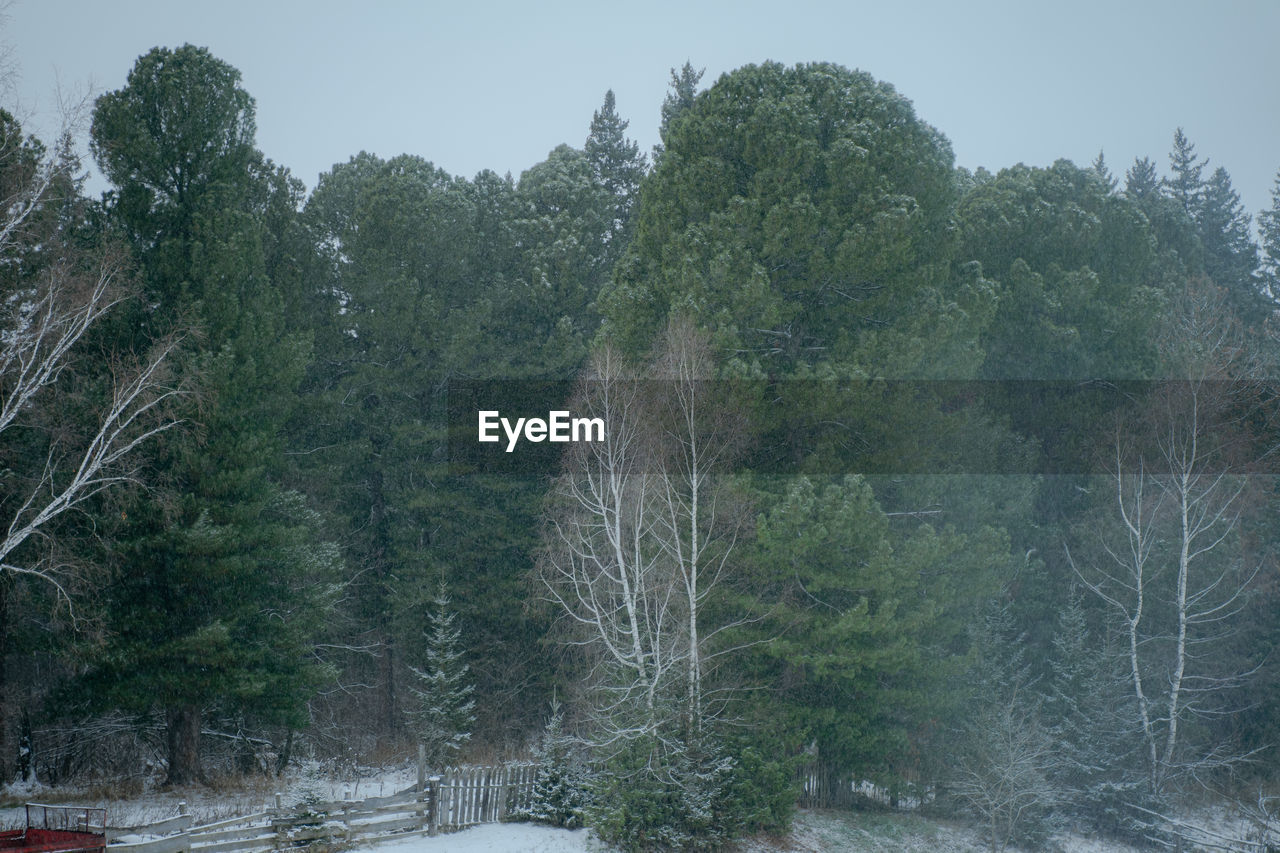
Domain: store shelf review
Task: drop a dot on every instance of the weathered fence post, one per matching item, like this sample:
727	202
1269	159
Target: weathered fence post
277	820
422	766
433	805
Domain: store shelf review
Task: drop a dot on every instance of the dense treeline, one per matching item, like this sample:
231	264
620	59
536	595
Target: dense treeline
815	571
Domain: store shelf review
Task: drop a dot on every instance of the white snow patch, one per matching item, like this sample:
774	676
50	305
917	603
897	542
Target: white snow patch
496	838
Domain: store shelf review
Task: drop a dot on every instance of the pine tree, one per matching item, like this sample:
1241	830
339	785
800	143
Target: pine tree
618	166
560	788
684	87
446	707
1186	184
1141	182
219	551
1269	222
1100	169
1081	700
1230	255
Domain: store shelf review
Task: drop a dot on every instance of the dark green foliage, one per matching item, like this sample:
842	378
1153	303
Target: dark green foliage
560	790
617	166
429	281
1185	185
800	216
443	688
1075	272
684	87
223	574
868	629
1269	223
683	804
1230	255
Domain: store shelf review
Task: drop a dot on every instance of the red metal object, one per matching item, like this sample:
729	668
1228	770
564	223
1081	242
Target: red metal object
64	829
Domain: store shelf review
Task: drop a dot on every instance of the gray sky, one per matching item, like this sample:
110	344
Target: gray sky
497	85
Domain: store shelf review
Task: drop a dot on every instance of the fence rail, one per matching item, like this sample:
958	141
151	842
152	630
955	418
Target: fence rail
458	798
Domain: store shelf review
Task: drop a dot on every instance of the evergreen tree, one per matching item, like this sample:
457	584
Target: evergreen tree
1186	183
680	94
1141	181
618	166
784	220
1075	269
211	559
1230	255
443	690
1095	757
560	787
1103	173
432	273
568	225
1177	246
869	626
1269	222
684	87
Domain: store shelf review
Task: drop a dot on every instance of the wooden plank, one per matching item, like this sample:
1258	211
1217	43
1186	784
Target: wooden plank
385	826
163	827
230	834
406	796
232	821
317	832
261	842
171	844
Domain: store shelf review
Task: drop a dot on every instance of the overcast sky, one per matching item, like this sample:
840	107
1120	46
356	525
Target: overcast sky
497	85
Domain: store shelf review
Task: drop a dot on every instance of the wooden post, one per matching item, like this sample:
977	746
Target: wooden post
277	819
422	766
433	805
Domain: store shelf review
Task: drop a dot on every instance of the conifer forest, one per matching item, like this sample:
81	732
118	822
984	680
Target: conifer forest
955	486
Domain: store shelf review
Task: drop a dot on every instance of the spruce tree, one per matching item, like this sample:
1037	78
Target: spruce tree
1186	184
1230	255
1269	222
446	708
618	167
560	787
1141	181
1103	172
683	89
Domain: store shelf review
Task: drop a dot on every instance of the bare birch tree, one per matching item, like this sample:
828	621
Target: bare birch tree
600	565
641	538
1173	577
54	294
697	523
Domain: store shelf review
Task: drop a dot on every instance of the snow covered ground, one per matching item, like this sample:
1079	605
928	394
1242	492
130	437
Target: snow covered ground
311	781
496	838
812	832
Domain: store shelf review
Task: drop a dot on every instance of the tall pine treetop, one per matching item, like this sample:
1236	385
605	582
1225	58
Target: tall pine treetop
1141	182
616	161
684	87
1186	184
181	123
1269	223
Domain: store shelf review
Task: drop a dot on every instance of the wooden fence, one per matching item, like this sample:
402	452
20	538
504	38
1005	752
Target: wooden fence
456	799
824	785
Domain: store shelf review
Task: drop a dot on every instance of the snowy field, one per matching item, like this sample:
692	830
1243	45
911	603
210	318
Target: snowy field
812	831
496	838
